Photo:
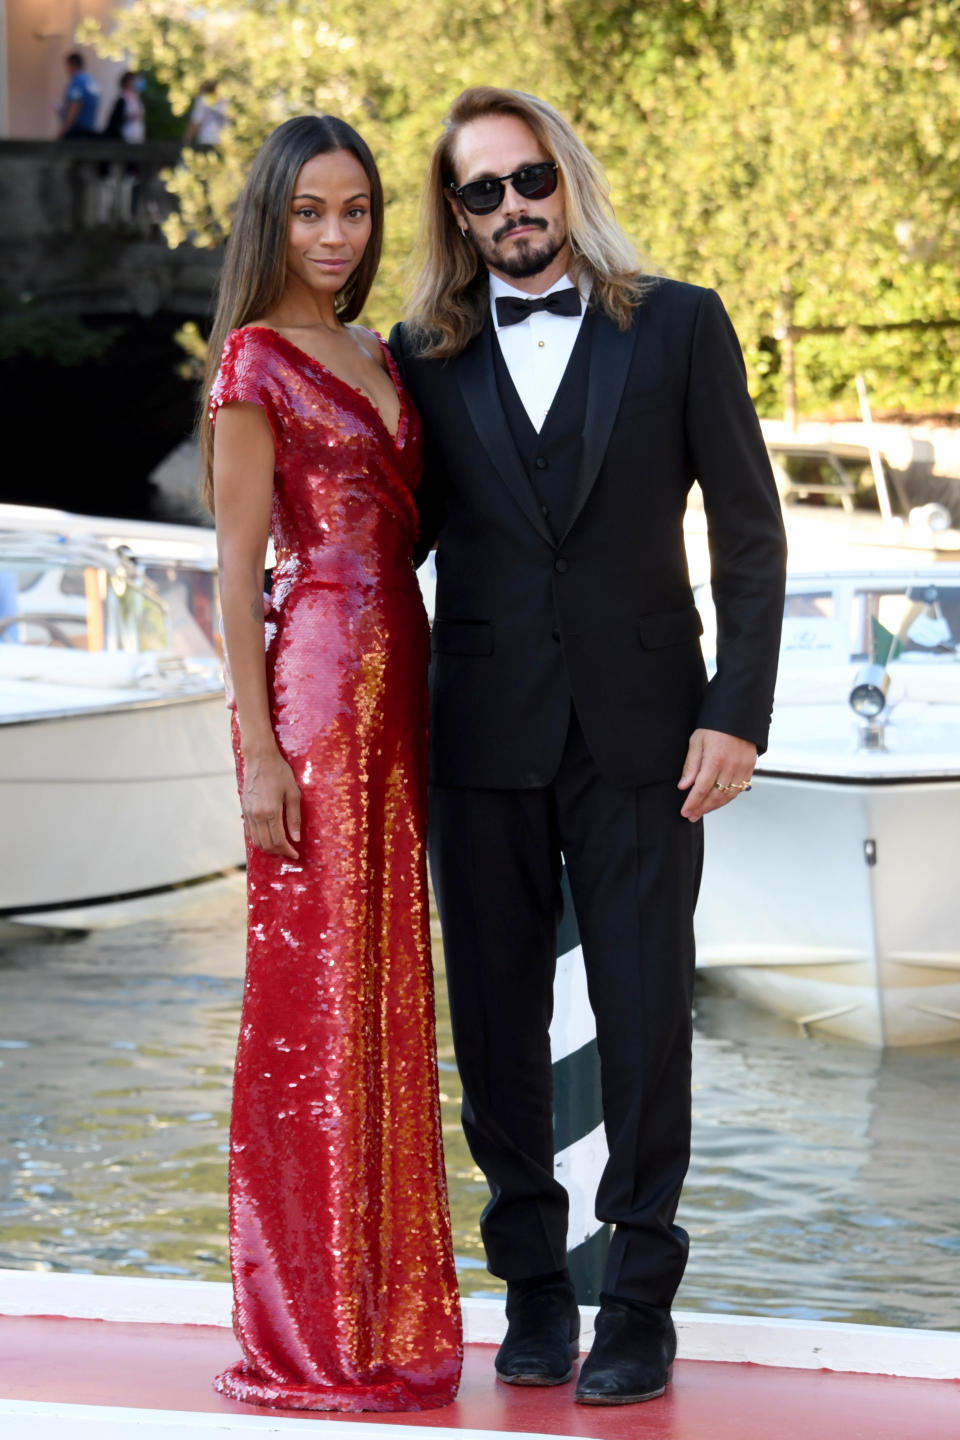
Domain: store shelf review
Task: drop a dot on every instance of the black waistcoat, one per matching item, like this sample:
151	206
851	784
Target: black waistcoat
551	456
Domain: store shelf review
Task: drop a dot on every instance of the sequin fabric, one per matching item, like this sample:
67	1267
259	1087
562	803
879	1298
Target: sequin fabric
345	1294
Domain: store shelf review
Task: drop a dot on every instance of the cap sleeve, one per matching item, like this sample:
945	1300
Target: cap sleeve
246	376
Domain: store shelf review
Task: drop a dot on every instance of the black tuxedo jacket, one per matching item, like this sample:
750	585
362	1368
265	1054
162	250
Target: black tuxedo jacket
604	614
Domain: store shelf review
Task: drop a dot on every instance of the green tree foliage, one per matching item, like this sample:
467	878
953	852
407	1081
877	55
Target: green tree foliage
800	155
66	340
812	175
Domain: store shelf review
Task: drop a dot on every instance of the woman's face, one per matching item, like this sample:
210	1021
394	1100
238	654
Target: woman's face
330	222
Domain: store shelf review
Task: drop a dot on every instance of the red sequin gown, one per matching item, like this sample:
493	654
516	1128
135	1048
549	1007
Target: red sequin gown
345	1294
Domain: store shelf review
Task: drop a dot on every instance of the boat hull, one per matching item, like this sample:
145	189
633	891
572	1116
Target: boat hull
116	801
834	904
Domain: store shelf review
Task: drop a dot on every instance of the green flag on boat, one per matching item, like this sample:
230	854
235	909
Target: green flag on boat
884	645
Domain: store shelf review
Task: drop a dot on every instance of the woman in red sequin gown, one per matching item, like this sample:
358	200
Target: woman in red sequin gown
344	1287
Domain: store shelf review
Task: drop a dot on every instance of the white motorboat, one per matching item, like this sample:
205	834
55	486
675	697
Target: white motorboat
116	771
829	893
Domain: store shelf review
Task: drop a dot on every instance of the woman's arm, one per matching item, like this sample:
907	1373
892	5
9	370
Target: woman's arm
243	465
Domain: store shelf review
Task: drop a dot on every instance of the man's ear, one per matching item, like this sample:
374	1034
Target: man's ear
457	209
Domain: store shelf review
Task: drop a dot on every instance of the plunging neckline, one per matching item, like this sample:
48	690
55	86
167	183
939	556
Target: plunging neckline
371	405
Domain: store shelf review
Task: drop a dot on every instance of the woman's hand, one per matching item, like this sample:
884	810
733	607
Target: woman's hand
271	803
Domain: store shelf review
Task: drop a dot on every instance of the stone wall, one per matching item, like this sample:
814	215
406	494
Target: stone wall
80	231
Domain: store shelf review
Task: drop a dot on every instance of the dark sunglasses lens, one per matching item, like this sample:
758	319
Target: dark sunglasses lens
533	182
481	196
536	182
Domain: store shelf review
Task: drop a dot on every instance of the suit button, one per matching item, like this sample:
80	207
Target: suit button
540	463
555	635
545	511
561	566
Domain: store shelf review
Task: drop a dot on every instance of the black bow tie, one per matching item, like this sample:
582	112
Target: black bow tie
510	310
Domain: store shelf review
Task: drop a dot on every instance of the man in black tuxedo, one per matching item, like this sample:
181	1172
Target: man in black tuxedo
569	403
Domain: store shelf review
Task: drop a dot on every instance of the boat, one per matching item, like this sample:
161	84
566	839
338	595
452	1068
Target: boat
840	490
92	1357
829	895
116	772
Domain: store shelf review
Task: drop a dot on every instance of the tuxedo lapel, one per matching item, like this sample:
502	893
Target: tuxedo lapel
611	353
478	385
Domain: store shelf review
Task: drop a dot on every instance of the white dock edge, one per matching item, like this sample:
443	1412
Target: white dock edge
34	1420
798	1344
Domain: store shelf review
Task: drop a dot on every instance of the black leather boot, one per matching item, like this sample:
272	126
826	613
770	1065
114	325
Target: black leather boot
542	1338
633	1350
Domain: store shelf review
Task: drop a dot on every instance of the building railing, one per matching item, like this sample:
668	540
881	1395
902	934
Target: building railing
59	187
80	231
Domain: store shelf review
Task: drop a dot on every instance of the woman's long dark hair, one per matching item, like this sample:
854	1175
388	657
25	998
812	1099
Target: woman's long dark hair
254	270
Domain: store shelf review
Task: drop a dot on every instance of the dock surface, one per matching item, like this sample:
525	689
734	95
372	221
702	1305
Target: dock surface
93	1377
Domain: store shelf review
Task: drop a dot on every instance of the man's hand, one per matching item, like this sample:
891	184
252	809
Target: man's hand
715	760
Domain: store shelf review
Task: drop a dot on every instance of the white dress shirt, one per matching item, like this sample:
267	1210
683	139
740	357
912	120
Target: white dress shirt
537	350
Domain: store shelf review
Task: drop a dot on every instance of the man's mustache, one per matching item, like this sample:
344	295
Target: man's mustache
522	220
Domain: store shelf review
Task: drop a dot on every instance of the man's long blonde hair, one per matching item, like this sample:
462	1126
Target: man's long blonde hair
449	297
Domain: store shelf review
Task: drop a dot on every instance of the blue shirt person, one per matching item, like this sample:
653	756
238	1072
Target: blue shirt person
78	113
9	606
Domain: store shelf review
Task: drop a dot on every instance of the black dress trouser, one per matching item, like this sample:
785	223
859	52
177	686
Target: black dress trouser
634	867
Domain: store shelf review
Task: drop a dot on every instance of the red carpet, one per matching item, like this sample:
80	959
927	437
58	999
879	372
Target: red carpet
169	1367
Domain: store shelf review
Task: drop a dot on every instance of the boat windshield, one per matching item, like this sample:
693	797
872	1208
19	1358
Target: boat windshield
162	609
191	602
831	621
825	475
910	623
880	623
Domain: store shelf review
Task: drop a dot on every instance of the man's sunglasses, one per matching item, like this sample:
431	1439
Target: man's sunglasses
533	182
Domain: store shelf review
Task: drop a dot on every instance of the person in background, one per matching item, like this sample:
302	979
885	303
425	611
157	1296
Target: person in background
119	195
9	607
127	120
207	118
78	112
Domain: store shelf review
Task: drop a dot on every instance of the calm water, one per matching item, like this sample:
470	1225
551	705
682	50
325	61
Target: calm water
824	1183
